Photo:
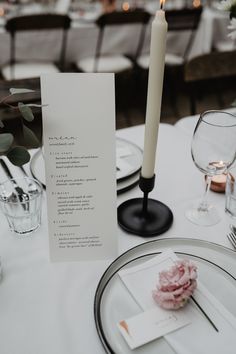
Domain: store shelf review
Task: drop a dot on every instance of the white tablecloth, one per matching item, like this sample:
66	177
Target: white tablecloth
47	308
83	36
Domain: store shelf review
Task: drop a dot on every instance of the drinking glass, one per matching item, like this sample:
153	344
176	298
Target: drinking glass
230	193
213	151
20	201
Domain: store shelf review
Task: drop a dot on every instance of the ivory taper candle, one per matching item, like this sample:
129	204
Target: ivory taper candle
154	95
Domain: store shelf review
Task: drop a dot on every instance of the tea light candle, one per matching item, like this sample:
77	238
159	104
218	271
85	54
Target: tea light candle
218	183
125	6
154	96
2	12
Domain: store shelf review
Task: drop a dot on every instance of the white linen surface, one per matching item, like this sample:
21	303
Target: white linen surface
47	308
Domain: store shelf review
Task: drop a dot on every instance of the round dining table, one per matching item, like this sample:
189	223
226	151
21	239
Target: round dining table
48	307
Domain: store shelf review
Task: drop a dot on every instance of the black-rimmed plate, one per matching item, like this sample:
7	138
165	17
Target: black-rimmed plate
128	183
216	265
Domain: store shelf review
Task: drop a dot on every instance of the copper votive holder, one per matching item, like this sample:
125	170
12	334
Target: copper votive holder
218	183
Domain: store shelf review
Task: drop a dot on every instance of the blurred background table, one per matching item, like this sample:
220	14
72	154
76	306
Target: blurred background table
211	34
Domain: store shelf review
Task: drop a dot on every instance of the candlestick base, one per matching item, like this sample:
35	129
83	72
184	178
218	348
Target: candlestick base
155	221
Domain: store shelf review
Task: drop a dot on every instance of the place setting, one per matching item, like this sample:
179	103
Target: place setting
92	242
133	315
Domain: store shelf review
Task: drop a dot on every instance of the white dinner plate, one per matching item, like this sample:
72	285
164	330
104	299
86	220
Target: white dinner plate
113	303
129	160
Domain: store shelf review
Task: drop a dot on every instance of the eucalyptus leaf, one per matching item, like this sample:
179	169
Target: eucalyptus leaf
1	124
14	91
30	138
35	105
26	112
6	140
18	156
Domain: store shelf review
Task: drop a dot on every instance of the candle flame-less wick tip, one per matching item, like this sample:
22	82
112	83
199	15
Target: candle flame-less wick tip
162	4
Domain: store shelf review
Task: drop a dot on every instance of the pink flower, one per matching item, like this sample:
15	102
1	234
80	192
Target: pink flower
176	285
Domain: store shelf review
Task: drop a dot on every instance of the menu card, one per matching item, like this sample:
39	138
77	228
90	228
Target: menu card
79	153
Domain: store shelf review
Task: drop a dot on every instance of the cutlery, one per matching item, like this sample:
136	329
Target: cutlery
23	197
23	170
232	228
232	239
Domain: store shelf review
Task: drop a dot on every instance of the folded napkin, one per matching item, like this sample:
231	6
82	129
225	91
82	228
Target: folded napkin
199	336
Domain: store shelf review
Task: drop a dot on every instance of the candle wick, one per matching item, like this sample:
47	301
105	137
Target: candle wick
161	5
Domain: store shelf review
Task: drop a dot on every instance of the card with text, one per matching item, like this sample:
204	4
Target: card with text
150	325
80	165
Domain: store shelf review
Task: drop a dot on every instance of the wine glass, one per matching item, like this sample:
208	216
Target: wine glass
213	151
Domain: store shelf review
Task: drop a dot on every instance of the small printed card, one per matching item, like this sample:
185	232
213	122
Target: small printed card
150	325
80	165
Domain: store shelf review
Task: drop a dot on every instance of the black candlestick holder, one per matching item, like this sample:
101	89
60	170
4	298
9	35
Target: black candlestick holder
143	216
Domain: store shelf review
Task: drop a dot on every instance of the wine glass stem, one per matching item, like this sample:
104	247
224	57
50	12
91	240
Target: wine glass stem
204	204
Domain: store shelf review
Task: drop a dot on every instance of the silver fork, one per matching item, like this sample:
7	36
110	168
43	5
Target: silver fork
232	238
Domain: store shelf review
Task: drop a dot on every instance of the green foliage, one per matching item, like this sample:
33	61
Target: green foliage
30	138
18	155
6	140
26	112
233	11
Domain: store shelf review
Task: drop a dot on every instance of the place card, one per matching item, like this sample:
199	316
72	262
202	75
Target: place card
150	325
80	165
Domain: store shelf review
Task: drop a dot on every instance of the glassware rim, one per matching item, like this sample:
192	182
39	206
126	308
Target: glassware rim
22	178
203	114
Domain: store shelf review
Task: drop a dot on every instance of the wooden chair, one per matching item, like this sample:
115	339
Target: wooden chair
109	62
208	71
35	22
